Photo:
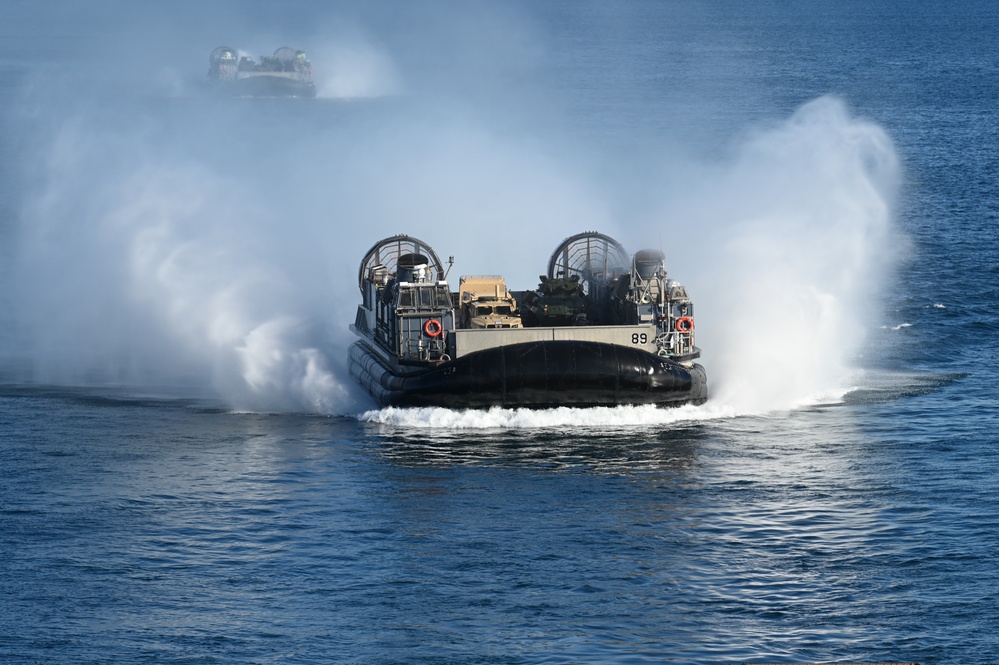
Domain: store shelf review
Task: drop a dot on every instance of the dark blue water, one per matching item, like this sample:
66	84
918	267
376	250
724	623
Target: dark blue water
189	477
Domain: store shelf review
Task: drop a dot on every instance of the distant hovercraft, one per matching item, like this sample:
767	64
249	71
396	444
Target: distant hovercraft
288	73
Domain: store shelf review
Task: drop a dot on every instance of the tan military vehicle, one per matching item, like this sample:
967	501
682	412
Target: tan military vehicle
486	303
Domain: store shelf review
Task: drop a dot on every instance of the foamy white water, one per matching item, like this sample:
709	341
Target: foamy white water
498	418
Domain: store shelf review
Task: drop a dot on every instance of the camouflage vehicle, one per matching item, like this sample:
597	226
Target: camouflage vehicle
486	303
559	301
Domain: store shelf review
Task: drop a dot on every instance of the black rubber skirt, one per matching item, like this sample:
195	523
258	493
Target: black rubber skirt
264	86
535	375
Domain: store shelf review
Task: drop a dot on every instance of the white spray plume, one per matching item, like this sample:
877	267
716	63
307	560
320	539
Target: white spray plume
160	275
351	68
787	249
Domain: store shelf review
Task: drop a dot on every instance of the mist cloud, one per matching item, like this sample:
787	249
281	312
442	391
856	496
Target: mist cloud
180	239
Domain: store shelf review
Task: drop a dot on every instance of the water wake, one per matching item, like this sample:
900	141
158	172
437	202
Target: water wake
497	418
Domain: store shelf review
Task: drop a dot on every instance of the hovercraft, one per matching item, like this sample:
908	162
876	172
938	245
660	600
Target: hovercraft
287	73
602	329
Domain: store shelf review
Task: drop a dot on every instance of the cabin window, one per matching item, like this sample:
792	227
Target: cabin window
502	310
405	298
426	298
483	311
443	298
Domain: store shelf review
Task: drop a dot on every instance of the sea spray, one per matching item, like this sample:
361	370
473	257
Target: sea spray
786	247
140	271
216	245
347	66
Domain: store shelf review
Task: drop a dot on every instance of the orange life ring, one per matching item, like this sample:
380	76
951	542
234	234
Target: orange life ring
433	328
685	324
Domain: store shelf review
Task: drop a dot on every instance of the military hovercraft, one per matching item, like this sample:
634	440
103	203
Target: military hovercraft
602	329
287	73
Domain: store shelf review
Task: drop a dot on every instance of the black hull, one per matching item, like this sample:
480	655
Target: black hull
264	86
534	375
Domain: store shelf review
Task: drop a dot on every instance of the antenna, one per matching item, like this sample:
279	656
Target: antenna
662	252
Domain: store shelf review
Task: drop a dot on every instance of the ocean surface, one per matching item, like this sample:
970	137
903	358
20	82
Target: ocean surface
188	474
